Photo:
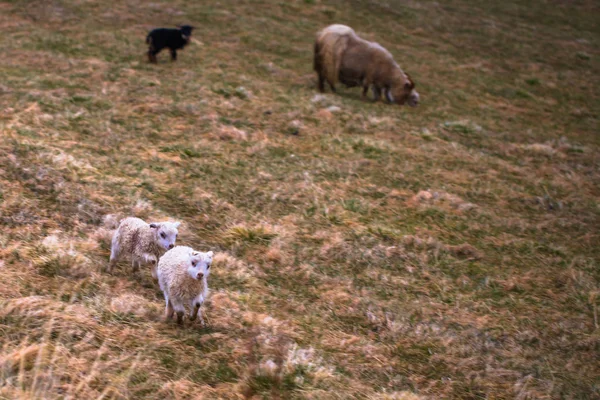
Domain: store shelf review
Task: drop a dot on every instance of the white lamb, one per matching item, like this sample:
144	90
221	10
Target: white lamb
182	276
142	242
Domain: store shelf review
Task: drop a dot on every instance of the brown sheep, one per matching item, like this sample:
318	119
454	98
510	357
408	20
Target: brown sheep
342	56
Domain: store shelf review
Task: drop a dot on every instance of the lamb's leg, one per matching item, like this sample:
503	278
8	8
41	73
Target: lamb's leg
179	309
201	318
135	265
195	312
197	309
168	309
173	55
115	251
152	52
153	261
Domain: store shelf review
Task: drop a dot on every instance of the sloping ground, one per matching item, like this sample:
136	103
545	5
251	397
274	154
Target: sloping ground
364	251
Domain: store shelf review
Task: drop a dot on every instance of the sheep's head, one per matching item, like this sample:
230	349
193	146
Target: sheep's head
199	264
403	91
186	31
165	233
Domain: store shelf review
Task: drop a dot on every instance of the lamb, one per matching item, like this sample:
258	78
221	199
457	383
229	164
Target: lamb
174	39
142	242
340	55
182	276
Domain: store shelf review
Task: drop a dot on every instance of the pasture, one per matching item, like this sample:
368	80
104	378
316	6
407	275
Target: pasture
362	250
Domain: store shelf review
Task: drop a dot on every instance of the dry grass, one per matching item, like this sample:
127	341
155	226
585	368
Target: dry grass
363	250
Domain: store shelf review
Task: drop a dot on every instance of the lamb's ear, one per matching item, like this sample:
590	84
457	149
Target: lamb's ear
154	225
210	254
176	224
195	253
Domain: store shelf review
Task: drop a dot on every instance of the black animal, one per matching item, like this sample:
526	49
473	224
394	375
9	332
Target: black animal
174	39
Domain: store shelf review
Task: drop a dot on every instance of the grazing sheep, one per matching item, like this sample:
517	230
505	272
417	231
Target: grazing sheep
144	243
340	55
182	276
174	39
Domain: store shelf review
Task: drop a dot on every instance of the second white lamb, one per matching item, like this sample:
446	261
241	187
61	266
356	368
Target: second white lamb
182	276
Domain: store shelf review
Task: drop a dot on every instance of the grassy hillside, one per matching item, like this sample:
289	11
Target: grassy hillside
370	251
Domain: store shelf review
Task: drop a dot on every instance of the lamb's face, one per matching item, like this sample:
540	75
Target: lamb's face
186	31
199	264
166	233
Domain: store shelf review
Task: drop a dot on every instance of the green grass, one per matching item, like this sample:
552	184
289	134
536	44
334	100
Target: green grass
447	251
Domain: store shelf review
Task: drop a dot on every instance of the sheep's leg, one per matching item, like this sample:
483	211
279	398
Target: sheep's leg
179	309
332	87
321	83
376	93
148	258
365	91
135	265
169	311
153	261
197	309
115	251
388	95
152	52
202	322
173	55
195	312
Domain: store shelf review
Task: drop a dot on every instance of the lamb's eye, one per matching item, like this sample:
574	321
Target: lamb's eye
208	266
162	235
193	263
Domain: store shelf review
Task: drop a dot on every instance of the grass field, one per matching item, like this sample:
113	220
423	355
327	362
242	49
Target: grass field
372	251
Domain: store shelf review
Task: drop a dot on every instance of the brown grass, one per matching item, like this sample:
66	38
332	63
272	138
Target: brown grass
362	250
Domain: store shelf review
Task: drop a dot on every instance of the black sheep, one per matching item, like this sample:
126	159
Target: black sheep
174	39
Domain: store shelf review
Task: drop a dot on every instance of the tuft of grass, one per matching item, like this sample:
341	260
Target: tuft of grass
48	263
465	128
252	235
583	56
